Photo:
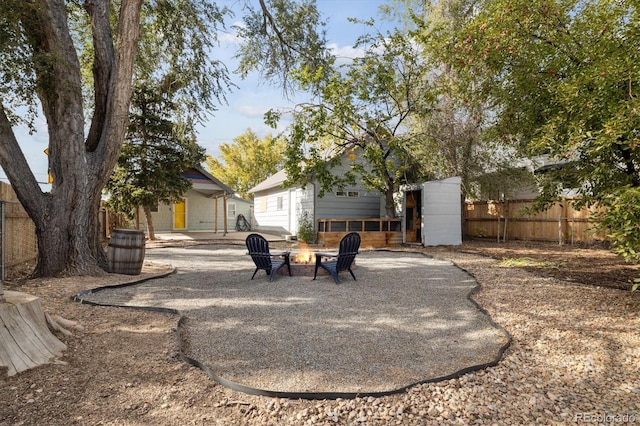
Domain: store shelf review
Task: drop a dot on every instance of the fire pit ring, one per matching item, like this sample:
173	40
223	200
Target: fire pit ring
303	264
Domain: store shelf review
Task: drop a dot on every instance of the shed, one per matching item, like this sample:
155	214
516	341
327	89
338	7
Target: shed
433	212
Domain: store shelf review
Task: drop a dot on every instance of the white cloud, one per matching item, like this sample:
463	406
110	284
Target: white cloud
230	35
251	110
345	52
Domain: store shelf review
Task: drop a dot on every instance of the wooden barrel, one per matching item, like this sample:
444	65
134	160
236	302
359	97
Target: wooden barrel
126	251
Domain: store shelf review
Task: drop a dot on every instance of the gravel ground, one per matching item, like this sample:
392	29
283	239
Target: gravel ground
299	337
575	355
574	359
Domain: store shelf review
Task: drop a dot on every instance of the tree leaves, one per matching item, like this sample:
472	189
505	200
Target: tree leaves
247	161
362	108
563	76
154	156
280	36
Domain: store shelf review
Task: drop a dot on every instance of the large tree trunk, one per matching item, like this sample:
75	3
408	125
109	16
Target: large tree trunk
69	242
389	203
66	219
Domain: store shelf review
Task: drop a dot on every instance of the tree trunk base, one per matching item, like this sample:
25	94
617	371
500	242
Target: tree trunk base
26	341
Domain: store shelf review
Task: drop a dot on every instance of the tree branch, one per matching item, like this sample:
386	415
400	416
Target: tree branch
103	60
270	22
106	152
16	167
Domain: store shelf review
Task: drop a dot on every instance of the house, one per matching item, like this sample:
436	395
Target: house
209	206
278	208
430	213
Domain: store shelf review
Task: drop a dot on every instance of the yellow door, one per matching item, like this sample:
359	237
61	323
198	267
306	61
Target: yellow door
180	215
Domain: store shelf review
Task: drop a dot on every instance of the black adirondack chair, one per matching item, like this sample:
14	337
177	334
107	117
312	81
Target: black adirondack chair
258	247
336	263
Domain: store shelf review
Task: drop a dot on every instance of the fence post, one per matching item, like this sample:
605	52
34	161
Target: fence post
506	220
559	230
2	232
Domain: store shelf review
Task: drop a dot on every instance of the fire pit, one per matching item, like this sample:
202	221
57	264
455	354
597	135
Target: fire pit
303	264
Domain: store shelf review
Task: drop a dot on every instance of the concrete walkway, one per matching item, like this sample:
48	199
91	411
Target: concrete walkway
231	236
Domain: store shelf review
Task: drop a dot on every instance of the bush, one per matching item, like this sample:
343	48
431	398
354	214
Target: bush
622	220
306	231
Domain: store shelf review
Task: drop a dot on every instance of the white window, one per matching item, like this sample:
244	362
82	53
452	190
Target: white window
350	194
231	210
279	206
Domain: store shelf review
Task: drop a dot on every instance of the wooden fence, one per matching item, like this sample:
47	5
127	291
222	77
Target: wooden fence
18	233
511	220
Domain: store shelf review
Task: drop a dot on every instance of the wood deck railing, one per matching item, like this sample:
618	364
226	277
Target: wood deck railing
375	232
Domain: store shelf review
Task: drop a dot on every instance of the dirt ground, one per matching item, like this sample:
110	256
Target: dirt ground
124	368
584	264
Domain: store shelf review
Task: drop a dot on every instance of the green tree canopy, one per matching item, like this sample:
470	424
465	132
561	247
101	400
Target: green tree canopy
43	46
456	141
279	36
167	102
247	161
363	108
562	78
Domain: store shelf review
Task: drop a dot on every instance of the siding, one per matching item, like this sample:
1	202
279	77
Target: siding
305	198
366	205
162	219
200	212
243	207
268	214
330	206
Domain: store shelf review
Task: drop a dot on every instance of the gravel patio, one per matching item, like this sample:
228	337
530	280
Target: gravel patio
408	319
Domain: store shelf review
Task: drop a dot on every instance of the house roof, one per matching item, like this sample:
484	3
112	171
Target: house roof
205	183
274	181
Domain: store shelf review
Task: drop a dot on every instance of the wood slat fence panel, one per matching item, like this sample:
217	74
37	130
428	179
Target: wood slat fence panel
20	243
512	220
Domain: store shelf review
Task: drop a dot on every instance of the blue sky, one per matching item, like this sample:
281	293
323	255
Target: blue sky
247	105
248	102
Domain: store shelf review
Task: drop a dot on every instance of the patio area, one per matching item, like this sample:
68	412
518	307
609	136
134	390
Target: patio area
408	319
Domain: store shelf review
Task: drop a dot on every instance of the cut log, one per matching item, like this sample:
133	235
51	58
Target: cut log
55	326
25	339
66	323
